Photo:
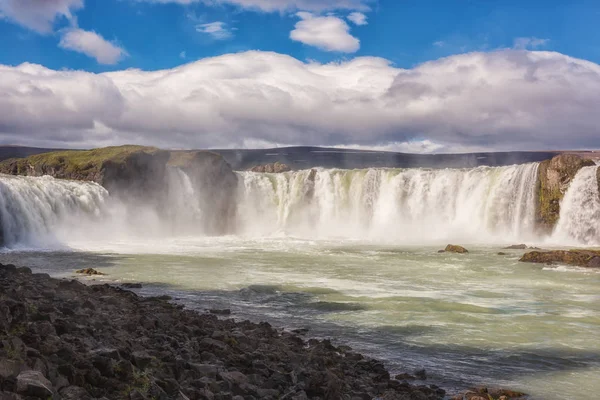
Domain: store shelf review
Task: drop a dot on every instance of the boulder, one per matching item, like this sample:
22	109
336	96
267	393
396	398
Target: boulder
273	168
580	258
452	248
34	384
554	178
516	247
88	271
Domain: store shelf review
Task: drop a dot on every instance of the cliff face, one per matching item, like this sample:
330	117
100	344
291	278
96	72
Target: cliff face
141	176
216	185
554	178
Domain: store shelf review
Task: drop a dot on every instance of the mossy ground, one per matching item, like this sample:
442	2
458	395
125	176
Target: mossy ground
74	161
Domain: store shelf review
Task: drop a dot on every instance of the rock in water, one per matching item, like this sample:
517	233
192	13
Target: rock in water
88	271
516	247
580	258
34	384
452	248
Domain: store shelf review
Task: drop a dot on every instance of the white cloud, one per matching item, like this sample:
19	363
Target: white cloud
328	33
281	5
38	15
439	43
502	100
182	55
92	45
532	43
217	30
358	18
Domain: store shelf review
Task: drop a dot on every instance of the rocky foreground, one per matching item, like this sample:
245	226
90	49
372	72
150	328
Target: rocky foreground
64	340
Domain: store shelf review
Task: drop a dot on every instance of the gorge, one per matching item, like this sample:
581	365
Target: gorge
347	254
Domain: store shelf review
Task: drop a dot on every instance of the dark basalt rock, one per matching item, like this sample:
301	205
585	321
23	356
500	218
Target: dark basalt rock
88	271
102	342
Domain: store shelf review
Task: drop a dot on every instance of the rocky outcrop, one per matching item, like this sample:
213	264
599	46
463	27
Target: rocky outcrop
580	258
216	187
63	339
452	248
275	167
554	178
141	176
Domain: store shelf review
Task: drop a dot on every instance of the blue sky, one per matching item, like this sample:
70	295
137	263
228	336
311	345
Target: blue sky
406	32
345	51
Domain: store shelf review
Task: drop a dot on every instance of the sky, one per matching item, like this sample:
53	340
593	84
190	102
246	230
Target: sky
402	75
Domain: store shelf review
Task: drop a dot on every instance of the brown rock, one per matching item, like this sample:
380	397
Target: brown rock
452	248
554	178
516	247
273	168
581	258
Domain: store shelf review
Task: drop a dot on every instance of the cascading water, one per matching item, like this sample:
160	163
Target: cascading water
579	221
407	206
31	208
412	205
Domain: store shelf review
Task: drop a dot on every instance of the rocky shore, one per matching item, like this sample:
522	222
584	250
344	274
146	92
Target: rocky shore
61	339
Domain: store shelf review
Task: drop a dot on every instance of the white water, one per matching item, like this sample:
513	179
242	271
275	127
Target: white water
31	208
411	206
579	221
407	206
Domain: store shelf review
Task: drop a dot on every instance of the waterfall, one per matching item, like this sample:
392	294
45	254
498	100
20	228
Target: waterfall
32	208
579	221
403	206
409	205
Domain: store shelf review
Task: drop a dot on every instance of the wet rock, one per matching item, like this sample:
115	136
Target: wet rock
502	254
581	258
34	384
516	247
554	178
275	167
451	248
88	271
421	374
132	285
594	263
225	311
405	377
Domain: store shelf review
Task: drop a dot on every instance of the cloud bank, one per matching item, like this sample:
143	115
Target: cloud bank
503	100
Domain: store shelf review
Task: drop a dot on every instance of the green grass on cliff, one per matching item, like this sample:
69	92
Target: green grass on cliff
74	161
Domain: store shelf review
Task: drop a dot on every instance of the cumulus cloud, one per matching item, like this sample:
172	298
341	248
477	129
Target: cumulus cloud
38	15
328	33
92	45
523	43
217	30
502	100
281	5
358	18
